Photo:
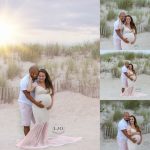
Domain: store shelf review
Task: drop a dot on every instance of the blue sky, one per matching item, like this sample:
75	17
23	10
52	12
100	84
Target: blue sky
50	21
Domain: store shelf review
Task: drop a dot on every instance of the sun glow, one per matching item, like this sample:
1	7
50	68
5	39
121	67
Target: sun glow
8	31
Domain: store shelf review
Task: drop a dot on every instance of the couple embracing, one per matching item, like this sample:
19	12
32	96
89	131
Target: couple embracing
124	36
128	79
36	98
129	134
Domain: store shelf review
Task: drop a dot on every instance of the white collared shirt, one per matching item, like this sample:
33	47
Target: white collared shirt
124	69
122	125
117	25
23	86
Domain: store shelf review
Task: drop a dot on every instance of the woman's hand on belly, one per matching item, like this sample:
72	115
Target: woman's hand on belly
130	37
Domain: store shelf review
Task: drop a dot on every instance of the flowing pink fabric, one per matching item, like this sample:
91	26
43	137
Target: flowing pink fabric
130	91
38	138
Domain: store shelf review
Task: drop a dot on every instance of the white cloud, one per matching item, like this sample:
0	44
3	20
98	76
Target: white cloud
80	16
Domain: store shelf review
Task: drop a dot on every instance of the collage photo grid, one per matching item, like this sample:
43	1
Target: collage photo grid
124	75
75	75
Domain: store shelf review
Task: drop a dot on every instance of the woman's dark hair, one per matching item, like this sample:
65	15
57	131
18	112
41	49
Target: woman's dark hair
135	124
132	24
132	68
48	81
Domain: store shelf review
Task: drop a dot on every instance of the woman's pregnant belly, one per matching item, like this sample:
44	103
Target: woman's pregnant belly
129	36
133	77
44	98
137	137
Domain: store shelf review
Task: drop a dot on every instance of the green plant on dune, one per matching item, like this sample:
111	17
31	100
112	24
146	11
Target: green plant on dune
120	63
30	52
105	30
71	65
147	27
146	103
124	4
111	15
95	49
2	81
117	115
115	72
13	70
129	56
141	3
133	105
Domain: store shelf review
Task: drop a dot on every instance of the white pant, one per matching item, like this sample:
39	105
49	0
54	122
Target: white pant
124	83
123	145
26	114
117	44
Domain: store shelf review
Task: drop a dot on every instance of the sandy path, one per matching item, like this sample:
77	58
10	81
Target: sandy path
142	43
78	114
110	88
109	144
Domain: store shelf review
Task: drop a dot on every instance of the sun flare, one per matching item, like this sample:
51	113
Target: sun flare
8	32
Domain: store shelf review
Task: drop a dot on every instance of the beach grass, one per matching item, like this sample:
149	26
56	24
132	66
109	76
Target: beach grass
110	119
115	72
116	61
141	3
111	15
68	64
117	115
110	10
133	105
2	81
13	70
124	4
105	30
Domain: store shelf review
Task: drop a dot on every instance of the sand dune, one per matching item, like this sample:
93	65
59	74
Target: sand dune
79	115
110	88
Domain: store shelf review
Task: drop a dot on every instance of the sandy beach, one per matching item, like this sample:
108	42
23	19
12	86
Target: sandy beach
108	144
78	114
110	88
107	44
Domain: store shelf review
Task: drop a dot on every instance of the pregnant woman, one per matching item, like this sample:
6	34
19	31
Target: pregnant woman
130	90
135	132
129	33
38	135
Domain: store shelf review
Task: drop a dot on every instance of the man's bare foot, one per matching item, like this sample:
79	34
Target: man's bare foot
26	130
123	89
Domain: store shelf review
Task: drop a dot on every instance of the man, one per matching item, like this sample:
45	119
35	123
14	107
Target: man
117	35
125	76
26	99
122	135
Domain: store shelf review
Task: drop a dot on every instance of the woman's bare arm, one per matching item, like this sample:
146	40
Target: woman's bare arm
127	75
31	86
52	98
134	39
140	139
120	35
28	96
128	136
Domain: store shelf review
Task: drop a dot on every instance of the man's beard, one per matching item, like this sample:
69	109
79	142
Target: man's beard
127	120
123	21
34	79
